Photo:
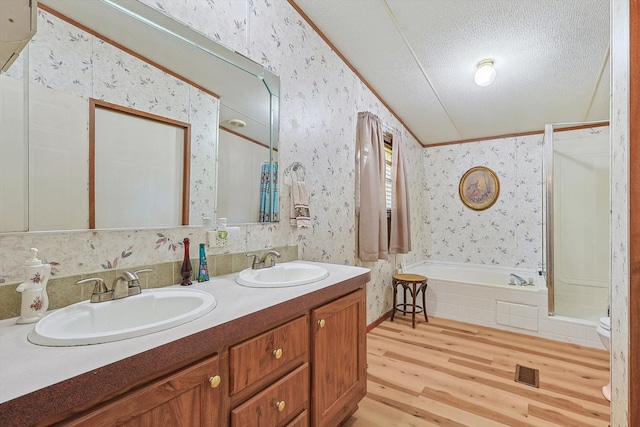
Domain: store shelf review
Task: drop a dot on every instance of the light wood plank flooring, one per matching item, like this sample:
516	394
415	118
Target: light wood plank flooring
447	373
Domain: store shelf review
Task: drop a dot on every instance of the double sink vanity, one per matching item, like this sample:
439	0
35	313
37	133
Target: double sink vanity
279	346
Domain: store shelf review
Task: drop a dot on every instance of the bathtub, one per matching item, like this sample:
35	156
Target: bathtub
482	295
475	274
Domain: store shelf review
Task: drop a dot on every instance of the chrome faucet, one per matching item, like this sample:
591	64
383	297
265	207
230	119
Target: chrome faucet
259	263
256	265
100	292
520	280
134	285
126	284
273	254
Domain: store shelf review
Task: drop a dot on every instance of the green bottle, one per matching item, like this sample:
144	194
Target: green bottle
203	270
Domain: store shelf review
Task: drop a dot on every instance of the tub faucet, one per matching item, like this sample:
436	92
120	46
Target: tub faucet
520	280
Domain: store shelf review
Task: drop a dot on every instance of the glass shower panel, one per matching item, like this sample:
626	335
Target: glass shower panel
580	222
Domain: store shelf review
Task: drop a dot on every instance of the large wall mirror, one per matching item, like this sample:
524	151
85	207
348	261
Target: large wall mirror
125	53
142	162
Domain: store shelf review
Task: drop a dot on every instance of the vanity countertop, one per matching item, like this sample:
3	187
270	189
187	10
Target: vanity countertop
33	377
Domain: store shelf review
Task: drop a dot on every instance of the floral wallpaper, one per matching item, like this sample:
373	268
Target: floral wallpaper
620	213
507	234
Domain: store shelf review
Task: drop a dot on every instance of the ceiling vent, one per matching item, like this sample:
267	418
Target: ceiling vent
17	26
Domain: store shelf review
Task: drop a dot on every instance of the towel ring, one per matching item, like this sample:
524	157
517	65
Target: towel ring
298	169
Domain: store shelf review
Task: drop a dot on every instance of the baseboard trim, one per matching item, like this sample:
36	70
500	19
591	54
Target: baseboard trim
375	323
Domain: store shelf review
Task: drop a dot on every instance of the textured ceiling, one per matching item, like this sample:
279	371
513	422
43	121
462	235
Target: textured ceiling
419	56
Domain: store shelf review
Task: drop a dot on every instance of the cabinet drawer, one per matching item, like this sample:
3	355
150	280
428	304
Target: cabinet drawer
253	359
277	405
301	420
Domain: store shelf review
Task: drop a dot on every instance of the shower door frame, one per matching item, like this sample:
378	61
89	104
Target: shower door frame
548	148
548	169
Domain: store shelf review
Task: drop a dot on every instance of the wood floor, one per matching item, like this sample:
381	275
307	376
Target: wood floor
446	373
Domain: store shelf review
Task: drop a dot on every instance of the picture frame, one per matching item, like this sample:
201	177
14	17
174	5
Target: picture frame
479	188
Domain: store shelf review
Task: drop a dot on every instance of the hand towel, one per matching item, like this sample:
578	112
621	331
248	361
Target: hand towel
299	212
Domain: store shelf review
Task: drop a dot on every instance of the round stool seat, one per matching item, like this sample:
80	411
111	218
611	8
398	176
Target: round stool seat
414	284
410	278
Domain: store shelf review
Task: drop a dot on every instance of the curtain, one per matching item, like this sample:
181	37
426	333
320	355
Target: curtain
400	241
372	232
269	178
275	199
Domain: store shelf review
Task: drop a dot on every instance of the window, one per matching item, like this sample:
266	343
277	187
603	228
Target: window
388	147
388	151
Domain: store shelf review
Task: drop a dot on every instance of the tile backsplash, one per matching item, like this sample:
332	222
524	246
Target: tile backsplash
63	291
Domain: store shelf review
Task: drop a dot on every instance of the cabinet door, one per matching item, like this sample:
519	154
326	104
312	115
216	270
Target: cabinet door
189	398
338	359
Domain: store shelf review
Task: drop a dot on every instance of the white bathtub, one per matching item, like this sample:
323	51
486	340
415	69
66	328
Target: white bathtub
482	295
475	274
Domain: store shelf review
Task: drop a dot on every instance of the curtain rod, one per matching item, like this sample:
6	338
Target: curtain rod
388	129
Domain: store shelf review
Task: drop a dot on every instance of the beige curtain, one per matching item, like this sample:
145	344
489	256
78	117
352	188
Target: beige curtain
372	232
400	242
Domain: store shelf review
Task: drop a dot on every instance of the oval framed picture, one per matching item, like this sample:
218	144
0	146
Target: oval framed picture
479	188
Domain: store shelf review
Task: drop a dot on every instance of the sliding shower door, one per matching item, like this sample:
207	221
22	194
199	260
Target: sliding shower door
578	224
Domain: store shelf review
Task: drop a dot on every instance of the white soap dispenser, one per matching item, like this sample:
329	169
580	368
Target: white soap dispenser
35	301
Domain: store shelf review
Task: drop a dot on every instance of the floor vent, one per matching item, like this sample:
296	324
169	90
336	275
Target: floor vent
528	376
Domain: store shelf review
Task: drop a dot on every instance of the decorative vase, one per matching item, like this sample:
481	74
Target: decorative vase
186	269
203	270
35	300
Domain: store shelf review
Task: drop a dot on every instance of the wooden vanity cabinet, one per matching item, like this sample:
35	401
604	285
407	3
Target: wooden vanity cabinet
323	390
308	371
190	397
338	357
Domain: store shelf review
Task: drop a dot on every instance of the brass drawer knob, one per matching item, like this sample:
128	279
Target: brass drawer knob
280	405
277	353
321	323
214	381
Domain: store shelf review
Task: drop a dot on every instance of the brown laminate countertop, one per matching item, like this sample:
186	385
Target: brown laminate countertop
39	385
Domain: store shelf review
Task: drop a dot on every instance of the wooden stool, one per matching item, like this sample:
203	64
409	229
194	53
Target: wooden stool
413	283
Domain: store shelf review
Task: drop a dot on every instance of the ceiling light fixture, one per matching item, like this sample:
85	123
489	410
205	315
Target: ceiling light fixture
485	74
237	123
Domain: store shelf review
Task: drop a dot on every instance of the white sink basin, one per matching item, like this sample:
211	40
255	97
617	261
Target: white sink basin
282	275
94	323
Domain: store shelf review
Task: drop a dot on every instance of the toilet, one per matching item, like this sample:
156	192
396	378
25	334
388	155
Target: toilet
604	332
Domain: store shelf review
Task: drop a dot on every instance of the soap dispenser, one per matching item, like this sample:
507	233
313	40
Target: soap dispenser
35	301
